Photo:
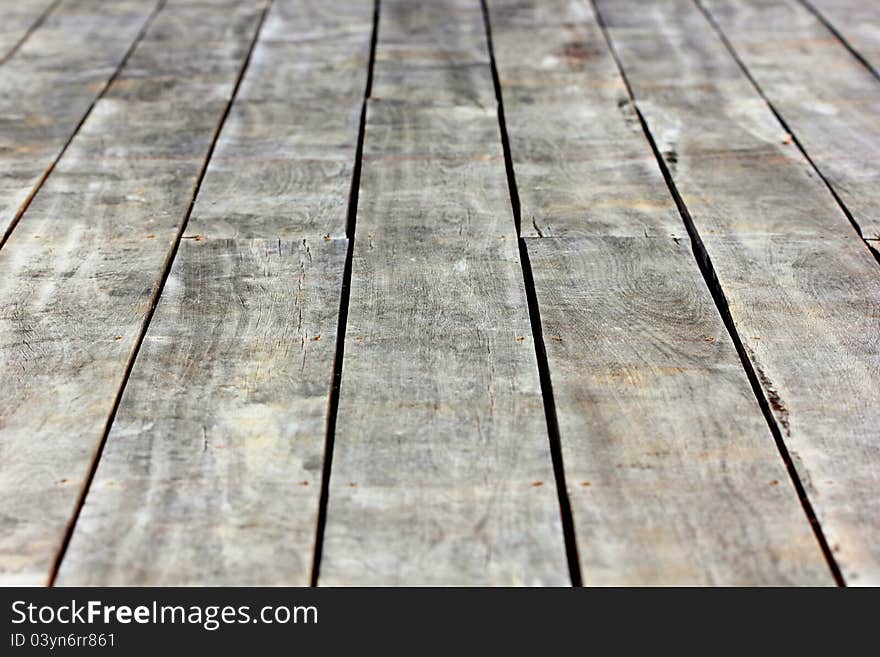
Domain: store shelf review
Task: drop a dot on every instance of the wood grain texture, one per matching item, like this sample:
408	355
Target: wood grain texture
672	481
212	471
19	18
433	51
282	169
283	165
432	141
857	21
663	471
801	286
441	471
582	164
311	49
433	170
50	83
827	97
79	274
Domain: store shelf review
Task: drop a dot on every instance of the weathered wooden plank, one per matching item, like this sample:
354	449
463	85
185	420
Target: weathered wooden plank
826	97
409	157
433	51
323	49
212	471
282	169
79	274
441	469
316	19
582	166
671	481
856	21
49	85
19	19
672	472
801	286
283	165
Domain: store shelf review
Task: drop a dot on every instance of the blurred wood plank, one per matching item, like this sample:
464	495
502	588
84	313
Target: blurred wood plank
50	84
800	284
212	471
672	472
672	481
827	98
80	273
19	19
441	469
857	22
582	164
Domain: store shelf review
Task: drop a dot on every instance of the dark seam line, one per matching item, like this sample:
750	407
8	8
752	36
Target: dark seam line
568	529
157	294
27	203
33	28
709	275
827	23
344	299
784	124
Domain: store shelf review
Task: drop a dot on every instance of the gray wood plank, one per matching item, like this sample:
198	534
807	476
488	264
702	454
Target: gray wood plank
283	165
826	97
671	481
434	52
449	154
582	163
672	472
857	22
441	469
282	169
50	83
212	471
801	286
19	18
79	274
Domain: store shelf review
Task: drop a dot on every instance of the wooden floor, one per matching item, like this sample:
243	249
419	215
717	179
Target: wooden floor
523	292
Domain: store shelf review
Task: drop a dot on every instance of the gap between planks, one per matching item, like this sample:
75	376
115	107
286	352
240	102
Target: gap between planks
344	301
709	275
568	528
31	29
154	302
122	62
754	82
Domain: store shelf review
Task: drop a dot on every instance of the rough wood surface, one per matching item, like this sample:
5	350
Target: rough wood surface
857	21
441	469
212	472
582	164
801	286
192	450
671	481
20	17
433	170
79	274
433	51
829	100
49	85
